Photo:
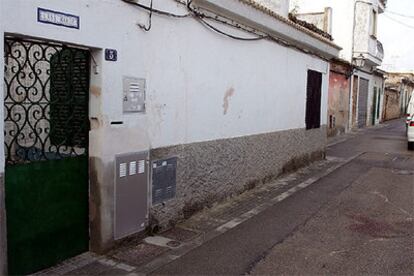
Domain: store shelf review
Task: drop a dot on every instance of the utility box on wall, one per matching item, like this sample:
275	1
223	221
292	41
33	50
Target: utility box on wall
163	179
133	95
131	194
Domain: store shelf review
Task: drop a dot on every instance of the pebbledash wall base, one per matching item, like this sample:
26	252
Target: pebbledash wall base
208	172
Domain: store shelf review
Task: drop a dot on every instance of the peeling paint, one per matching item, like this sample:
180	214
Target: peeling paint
95	90
338	101
95	123
229	93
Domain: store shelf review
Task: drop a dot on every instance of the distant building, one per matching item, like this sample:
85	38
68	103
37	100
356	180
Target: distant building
353	26
398	89
338	97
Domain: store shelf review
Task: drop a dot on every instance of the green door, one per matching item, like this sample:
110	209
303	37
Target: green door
46	150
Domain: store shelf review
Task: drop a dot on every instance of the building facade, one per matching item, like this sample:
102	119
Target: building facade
398	89
119	116
353	26
339	97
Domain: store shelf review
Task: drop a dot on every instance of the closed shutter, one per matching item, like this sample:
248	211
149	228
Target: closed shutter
313	100
363	103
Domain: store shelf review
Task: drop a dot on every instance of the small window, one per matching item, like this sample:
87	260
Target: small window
374	23
313	100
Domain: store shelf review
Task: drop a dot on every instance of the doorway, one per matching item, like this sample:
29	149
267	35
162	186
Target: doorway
46	130
363	102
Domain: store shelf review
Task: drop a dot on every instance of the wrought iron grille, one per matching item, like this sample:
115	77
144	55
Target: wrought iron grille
46	101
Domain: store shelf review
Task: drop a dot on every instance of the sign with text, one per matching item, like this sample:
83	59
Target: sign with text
58	18
111	54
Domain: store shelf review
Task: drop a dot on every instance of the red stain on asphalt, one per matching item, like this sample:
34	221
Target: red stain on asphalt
374	228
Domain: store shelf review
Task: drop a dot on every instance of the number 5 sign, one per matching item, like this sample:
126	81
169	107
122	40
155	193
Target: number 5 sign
111	55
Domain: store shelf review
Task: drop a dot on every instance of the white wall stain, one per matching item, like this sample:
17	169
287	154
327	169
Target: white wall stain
226	100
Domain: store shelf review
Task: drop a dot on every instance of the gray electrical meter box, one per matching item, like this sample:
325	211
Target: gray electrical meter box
131	193
133	95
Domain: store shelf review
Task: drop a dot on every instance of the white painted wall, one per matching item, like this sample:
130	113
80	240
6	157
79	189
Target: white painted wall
365	41
189	70
362	37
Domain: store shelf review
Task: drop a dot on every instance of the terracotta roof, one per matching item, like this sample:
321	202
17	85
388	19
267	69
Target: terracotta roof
342	61
310	26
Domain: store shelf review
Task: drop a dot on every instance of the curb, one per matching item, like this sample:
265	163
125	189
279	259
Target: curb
352	134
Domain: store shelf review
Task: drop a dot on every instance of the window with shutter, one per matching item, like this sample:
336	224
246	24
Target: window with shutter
313	100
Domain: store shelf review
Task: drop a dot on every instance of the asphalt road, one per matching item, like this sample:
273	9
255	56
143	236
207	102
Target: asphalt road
357	220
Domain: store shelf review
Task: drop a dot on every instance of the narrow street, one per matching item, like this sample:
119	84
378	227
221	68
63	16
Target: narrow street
207	137
357	219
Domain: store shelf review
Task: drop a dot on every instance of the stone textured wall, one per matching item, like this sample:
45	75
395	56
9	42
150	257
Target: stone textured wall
392	108
208	172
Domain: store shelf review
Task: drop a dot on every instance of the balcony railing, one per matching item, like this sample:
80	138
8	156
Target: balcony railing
380	50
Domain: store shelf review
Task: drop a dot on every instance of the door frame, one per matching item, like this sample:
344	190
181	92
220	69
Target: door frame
94	57
360	80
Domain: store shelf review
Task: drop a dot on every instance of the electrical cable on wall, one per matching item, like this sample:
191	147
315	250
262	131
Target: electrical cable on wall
205	23
201	18
208	25
147	28
192	13
151	9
